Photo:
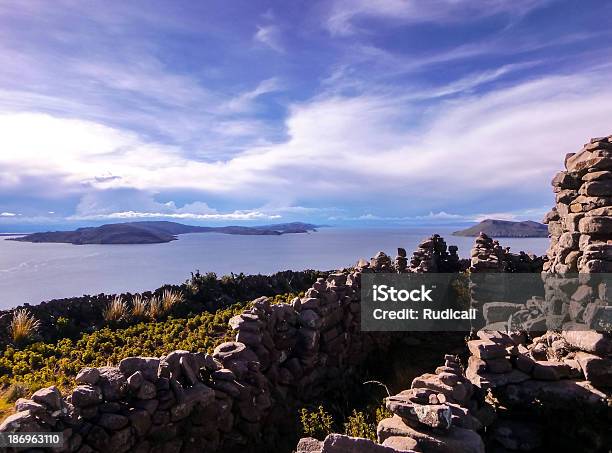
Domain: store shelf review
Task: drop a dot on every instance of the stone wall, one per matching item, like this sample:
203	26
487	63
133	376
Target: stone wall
187	401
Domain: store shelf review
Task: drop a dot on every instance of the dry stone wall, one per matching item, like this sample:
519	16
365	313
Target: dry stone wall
188	401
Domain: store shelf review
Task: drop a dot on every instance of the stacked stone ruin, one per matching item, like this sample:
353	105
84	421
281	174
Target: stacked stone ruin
487	255
580	224
570	367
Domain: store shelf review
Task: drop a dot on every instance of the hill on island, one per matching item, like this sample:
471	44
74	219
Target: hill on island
506	229
155	232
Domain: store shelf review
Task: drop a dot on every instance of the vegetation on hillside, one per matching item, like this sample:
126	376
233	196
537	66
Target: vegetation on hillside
28	368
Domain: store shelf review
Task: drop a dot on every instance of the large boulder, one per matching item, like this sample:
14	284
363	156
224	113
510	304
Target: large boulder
596	369
24	421
86	395
50	397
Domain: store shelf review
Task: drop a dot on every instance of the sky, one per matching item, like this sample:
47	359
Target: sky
360	112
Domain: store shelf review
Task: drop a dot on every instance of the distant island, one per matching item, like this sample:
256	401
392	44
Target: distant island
506	229
155	232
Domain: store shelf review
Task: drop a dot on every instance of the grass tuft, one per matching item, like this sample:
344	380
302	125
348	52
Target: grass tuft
156	308
115	310
170	298
139	306
23	325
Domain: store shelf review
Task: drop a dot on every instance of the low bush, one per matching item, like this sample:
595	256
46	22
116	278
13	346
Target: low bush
316	423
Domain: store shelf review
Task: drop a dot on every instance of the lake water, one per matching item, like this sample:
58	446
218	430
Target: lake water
36	272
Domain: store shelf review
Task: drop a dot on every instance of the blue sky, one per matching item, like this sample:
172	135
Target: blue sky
368	112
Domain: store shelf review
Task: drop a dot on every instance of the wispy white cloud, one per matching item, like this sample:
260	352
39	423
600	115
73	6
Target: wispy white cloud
244	101
344	14
342	148
445	217
270	35
7	214
133	215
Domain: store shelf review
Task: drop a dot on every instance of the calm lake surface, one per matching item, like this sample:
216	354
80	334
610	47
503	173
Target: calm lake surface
37	272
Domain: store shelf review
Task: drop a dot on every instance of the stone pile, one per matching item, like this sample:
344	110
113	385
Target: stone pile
580	224
437	414
432	255
486	255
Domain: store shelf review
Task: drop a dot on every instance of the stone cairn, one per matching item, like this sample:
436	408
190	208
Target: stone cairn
432	255
436	414
487	255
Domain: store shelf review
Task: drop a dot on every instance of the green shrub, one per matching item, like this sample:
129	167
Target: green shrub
42	364
317	423
364	424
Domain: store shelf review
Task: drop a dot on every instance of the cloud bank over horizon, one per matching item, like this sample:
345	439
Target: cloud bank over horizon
348	112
